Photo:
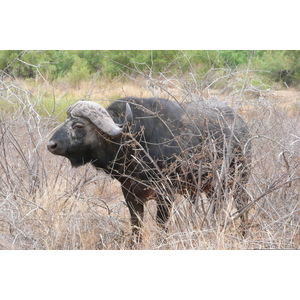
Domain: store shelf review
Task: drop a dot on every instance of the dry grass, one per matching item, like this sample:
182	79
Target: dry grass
45	204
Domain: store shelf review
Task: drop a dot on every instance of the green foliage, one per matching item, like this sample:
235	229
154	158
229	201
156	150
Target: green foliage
76	65
79	71
7	57
280	66
93	58
233	58
116	62
62	62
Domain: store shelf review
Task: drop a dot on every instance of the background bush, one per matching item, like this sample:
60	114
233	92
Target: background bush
75	65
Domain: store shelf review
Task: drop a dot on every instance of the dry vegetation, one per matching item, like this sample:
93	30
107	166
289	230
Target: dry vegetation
45	204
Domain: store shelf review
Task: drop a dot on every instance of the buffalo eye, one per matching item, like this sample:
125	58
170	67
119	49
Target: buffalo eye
78	126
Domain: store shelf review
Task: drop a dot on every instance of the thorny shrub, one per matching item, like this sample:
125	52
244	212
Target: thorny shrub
45	204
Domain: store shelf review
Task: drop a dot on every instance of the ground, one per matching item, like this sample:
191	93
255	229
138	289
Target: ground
45	204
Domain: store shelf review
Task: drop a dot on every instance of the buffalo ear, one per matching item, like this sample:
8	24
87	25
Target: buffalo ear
127	120
128	115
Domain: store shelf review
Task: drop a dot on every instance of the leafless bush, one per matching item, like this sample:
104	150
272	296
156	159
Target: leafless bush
45	204
274	181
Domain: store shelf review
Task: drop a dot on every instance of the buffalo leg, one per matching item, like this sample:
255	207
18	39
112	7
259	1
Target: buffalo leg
240	195
163	212
241	199
136	209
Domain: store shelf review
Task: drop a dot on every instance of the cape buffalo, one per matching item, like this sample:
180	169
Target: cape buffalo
157	148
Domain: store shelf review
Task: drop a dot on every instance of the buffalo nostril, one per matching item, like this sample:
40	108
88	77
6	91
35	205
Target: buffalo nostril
51	146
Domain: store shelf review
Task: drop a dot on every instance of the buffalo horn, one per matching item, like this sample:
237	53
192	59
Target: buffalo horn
97	115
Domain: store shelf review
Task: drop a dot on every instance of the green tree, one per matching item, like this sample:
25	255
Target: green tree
79	71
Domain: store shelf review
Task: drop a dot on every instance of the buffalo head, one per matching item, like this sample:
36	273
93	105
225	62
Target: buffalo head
83	137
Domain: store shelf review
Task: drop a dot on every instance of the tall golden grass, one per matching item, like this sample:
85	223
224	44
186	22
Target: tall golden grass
45	204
